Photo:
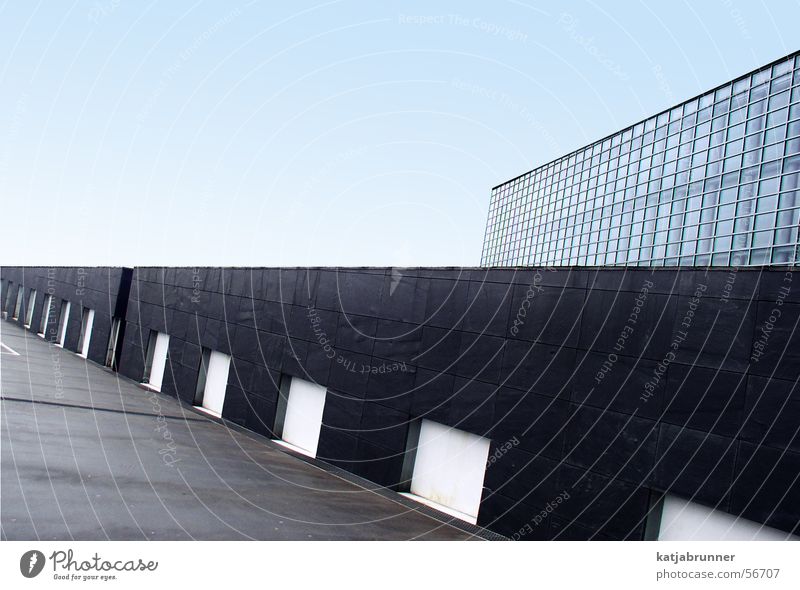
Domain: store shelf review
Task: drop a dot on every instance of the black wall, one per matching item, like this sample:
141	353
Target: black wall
102	289
513	355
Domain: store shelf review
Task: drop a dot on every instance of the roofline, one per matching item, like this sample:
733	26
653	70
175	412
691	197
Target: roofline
624	129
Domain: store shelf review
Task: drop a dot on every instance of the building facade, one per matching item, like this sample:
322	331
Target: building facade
712	181
541	404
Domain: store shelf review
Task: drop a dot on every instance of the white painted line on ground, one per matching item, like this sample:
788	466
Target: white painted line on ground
5	347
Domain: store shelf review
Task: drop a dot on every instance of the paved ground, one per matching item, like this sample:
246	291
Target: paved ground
85	455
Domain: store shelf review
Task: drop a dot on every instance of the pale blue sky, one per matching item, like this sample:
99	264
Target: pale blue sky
336	133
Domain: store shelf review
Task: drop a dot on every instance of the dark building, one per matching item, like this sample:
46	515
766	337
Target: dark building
80	309
588	403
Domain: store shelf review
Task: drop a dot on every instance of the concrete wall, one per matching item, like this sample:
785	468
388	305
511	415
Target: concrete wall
600	389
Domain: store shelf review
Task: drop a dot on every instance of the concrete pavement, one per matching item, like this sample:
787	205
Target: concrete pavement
89	455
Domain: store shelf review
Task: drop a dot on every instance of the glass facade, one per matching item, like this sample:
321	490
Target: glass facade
712	181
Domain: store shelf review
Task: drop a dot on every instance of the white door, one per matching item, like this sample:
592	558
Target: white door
48	301
304	415
161	346
682	520
29	309
216	382
63	321
9	296
112	342
18	303
449	468
87	321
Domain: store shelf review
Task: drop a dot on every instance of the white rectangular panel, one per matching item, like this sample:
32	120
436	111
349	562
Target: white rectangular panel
304	415
216	382
48	301
112	342
449	468
159	361
87	321
62	322
29	309
683	520
18	303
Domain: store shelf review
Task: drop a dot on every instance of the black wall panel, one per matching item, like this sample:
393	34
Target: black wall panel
603	387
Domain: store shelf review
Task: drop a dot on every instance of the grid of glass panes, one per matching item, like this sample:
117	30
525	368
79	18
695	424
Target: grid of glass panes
713	181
